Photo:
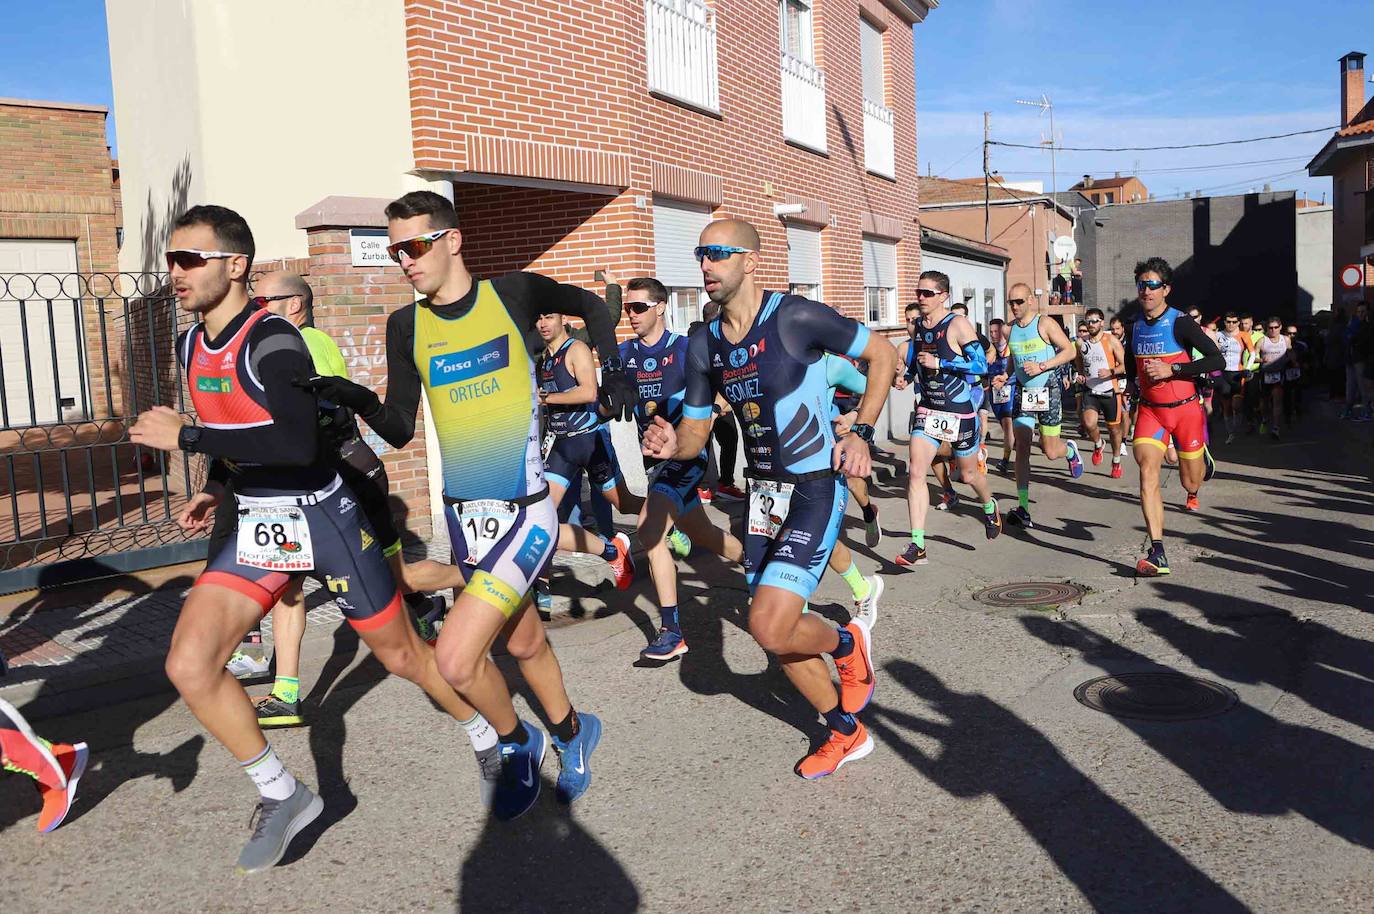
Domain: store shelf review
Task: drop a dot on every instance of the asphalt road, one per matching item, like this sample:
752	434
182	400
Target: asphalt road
991	788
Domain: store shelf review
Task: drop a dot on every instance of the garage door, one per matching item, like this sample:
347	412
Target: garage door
35	394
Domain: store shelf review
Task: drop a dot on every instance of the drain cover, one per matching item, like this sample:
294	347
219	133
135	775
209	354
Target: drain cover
1030	593
1155	696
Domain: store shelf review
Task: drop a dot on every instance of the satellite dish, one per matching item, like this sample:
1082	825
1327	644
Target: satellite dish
1065	248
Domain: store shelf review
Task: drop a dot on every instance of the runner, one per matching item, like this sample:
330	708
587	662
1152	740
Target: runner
1038	348
577	440
1232	345
56	768
295	515
1252	389
1163	373
945	359
1001	398
764	353
659	360
1293	376
1276	357
841	374
1103	365
463	346
1206	383
1118	329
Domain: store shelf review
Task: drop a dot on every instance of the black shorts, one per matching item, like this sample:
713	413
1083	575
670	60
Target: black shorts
348	559
1107	405
590	451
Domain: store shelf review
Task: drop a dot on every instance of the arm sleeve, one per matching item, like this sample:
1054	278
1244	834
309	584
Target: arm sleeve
1191	336
812	326
842	373
696	404
528	294
395	419
973	361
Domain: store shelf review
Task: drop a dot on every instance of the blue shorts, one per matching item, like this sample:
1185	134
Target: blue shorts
970	433
677	480
504	575
591	451
1005	410
795	558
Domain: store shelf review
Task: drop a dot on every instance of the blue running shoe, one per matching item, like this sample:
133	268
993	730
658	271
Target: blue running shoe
1075	462
518	786
666	646
574	758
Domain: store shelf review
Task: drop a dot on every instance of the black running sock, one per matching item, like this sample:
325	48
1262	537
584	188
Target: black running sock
846	645
841	722
1156	545
518	736
568	728
869	511
608	551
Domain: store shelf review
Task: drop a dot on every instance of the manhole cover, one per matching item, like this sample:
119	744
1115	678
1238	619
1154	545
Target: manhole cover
1155	696
1030	593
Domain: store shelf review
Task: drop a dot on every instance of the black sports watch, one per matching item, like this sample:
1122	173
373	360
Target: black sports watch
188	439
863	430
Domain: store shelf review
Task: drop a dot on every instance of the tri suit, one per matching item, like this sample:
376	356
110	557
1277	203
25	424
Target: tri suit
660	371
577	436
947	405
1171	407
1038	401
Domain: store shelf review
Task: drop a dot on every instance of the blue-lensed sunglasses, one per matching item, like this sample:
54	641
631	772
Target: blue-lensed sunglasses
1151	284
717	252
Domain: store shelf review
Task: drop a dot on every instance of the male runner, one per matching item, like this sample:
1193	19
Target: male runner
1233	345
1251	390
1275	358
56	768
1118	329
1038	347
945	359
1103	366
1206	384
580	441
841	374
764	352
1162	372
295	516
1001	398
463	345
1292	376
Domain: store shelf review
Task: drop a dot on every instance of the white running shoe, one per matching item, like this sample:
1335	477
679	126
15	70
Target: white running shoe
867	608
245	667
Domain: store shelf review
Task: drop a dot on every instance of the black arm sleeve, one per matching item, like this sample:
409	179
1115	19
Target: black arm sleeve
1191	336
394	420
527	295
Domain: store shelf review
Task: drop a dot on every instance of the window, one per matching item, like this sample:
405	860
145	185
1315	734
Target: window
804	261
880	282
1111	197
871	43
879	147
677	227
794	21
803	83
680	51
684	307
988	296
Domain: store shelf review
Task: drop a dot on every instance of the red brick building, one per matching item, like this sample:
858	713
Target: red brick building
1116	189
1348	158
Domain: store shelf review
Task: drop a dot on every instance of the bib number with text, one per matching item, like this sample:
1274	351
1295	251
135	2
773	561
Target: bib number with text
941	426
275	538
1035	400
484	523
769	503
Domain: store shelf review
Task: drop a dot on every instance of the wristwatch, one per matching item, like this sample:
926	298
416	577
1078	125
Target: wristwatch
863	430
188	439
1176	368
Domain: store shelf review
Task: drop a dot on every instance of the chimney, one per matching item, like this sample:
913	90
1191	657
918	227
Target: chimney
1352	86
1116	174
1087	180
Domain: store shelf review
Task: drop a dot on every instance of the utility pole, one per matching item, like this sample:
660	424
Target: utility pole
987	217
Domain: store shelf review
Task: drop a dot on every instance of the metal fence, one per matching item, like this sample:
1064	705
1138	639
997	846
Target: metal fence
81	355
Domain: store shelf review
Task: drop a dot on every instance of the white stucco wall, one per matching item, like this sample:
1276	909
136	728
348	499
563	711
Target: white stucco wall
1314	239
969	274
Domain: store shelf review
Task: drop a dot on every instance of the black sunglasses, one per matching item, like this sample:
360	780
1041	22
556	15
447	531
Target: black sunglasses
262	301
1018	302
638	307
927	293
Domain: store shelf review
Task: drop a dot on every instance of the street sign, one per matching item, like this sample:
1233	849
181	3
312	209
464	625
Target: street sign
1352	276
1065	248
367	248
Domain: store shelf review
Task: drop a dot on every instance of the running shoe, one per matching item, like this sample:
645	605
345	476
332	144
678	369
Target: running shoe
575	759
992	524
543	597
1190	503
275	712
949	500
24	752
623	565
1230	437
1097	453
914	555
1116	469
834	752
518	786
1121	451
704	494
1075	461
982	459
679	543
427	615
666	646
275	823
489	774
1003	465
1020	517
867	608
1153	564
873	533
730	493
856	670
57	801
245	666
1209	465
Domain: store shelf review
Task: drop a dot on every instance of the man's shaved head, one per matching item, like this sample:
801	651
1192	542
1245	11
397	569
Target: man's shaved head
286	283
733	232
1020	290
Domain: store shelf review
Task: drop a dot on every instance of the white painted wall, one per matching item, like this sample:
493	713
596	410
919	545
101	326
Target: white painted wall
267	106
1314	238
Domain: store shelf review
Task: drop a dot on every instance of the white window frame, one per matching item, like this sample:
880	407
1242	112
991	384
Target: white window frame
886	306
806	34
875	268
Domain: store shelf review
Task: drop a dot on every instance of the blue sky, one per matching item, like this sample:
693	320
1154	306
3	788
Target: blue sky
1183	72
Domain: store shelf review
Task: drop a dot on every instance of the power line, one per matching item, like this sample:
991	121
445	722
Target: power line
1178	169
1257	139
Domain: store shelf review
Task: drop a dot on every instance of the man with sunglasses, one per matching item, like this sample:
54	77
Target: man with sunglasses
295	515
463	347
1163	372
1233	345
1038	349
1293	375
1103	368
765	355
1276	356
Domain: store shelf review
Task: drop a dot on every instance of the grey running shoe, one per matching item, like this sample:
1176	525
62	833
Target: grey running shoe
277	712
275	823
489	772
244	666
867	609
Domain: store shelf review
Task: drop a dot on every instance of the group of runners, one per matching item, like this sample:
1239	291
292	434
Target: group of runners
293	489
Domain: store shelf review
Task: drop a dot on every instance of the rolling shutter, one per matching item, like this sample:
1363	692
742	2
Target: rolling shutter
880	263
803	255
677	227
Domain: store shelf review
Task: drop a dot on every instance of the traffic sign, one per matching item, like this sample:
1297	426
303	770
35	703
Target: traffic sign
1352	276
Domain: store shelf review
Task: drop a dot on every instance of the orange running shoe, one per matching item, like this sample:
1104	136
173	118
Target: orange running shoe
1190	504
982	459
856	671
623	565
57	802
1116	469
834	752
25	752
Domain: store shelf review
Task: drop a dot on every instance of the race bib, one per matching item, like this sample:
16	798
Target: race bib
1292	374
941	426
1035	399
548	446
769	503
276	538
1001	394
484	522
1273	377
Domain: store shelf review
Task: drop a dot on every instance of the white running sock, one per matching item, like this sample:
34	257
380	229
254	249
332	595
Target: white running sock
481	734
270	776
